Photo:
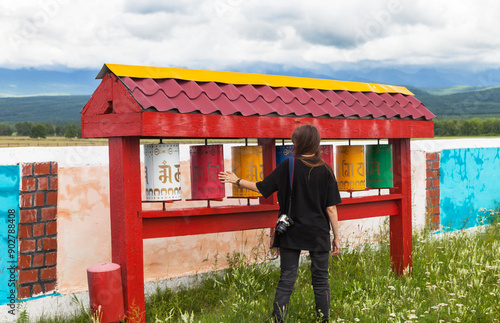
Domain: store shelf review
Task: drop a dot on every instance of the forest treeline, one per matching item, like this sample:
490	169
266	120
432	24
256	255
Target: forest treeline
41	130
467	127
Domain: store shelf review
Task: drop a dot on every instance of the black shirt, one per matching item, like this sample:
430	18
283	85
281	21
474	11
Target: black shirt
314	189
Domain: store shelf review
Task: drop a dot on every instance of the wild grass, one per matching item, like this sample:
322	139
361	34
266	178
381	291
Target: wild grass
455	278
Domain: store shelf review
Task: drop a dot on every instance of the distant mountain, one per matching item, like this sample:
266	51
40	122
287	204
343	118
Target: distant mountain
397	75
33	82
58	96
484	102
52	109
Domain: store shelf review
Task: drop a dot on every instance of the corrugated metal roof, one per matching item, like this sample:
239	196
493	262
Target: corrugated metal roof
276	81
248	99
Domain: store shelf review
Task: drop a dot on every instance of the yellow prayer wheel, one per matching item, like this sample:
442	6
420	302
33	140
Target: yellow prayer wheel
247	164
351	168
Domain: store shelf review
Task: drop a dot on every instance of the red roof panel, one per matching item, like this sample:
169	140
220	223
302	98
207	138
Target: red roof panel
227	99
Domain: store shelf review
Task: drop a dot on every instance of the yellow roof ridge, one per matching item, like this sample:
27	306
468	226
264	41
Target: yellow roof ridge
246	78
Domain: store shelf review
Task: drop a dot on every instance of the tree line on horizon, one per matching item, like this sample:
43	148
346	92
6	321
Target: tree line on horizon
41	130
467	127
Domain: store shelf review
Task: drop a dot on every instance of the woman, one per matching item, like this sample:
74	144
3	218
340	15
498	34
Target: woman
313	210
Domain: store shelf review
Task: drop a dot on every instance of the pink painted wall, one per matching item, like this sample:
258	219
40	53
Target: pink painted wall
84	233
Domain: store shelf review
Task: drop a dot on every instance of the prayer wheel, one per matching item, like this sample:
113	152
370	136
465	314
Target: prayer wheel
379	166
327	154
351	168
163	175
206	163
283	152
247	164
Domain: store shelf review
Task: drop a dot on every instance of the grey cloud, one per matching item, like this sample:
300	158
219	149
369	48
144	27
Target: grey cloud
271	12
152	6
319	35
265	32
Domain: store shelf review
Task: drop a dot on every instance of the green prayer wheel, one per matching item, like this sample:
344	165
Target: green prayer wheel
379	166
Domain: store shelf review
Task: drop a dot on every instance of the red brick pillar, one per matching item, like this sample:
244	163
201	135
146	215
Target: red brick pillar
432	191
37	230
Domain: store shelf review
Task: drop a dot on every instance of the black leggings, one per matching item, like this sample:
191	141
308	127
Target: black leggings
289	263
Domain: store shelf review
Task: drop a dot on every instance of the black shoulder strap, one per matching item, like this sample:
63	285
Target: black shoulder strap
291	170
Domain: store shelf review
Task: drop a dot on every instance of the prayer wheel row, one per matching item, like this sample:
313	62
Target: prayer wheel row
351	163
162	171
163	180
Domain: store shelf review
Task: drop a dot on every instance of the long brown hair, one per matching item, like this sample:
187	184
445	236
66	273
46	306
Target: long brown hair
306	141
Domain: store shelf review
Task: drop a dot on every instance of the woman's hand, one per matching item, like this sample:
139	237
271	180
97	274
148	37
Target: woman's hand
335	247
228	177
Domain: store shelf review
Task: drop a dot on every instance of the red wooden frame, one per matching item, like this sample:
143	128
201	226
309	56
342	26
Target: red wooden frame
112	113
160	124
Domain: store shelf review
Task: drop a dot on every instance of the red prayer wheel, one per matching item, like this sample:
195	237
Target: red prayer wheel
327	154
206	163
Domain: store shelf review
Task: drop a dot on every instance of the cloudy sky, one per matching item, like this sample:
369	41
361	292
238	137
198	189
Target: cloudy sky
217	34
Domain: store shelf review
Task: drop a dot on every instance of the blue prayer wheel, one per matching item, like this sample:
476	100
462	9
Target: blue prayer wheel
283	152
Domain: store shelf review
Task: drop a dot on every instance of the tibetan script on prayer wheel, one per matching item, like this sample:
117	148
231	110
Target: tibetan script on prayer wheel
327	154
379	166
206	164
351	168
163	175
283	152
247	164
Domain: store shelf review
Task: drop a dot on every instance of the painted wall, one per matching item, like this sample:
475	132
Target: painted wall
9	220
83	230
470	182
83	220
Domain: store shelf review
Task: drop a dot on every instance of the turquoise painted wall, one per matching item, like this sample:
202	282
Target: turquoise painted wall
470	182
9	220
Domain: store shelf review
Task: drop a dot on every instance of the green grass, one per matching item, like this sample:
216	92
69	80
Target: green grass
456	278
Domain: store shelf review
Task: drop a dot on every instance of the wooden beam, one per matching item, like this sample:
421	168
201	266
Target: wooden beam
207	220
172	223
368	207
178	125
111	125
126	225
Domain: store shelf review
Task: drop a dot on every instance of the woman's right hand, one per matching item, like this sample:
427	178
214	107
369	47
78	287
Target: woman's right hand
335	247
228	177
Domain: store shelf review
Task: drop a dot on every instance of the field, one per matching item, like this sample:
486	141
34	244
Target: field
16	141
455	278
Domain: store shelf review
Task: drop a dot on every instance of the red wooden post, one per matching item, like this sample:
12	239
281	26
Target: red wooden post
126	223
401	224
269	160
